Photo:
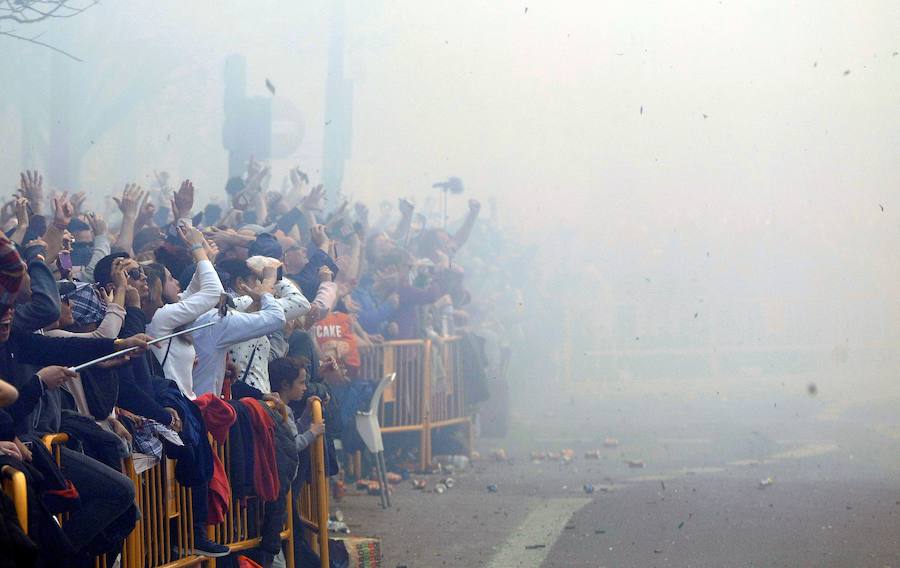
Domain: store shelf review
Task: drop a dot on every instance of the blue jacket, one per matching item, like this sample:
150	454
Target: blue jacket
372	315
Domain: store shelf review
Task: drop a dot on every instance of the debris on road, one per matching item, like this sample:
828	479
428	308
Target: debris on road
766	482
611	443
419	483
440	488
499	454
452	462
592	455
448	482
534	546
588	488
492	488
635	464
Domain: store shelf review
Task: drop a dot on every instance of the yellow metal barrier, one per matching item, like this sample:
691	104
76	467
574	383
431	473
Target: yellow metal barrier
237	531
164	536
14	486
312	503
165	509
428	392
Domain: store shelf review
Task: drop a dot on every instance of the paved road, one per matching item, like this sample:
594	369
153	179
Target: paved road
834	499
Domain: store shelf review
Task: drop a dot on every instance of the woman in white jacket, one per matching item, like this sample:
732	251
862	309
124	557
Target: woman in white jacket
182	308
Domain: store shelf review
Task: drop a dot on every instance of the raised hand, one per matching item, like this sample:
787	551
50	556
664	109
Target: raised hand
183	200
97	223
406	207
22	218
162	178
78	200
474	206
255	182
63	211
253	167
128	203
298	178
104	295
217	235
191	236
31	187
248	291
362	212
145	213
313	201
8	211
319	236
132	297
211	248
117	272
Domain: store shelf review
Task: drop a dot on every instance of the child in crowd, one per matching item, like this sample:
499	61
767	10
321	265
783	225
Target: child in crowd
287	377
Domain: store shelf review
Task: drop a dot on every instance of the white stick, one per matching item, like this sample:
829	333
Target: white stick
116	354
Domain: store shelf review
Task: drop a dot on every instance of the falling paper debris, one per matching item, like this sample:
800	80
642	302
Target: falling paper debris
270	86
812	389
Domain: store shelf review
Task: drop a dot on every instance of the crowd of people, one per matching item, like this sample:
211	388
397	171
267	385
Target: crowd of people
270	298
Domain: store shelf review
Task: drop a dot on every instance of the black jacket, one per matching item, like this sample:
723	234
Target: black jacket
24	349
43	309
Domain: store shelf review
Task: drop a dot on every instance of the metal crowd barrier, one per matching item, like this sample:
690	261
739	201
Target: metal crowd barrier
312	502
15	488
428	392
240	528
164	536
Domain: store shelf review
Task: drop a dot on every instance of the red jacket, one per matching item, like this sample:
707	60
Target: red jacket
265	470
218	416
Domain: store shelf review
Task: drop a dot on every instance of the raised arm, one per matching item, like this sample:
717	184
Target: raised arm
462	235
202	294
240	327
128	205
43	307
101	244
406	214
63	210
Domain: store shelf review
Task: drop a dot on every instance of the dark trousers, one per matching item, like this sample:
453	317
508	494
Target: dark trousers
107	513
200	507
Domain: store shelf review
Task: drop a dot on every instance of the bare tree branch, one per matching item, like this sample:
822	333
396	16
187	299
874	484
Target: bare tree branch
31	11
47	45
23	12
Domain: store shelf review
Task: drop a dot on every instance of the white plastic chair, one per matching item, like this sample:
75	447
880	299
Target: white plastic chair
370	431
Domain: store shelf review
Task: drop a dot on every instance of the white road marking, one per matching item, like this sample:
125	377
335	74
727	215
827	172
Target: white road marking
543	525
